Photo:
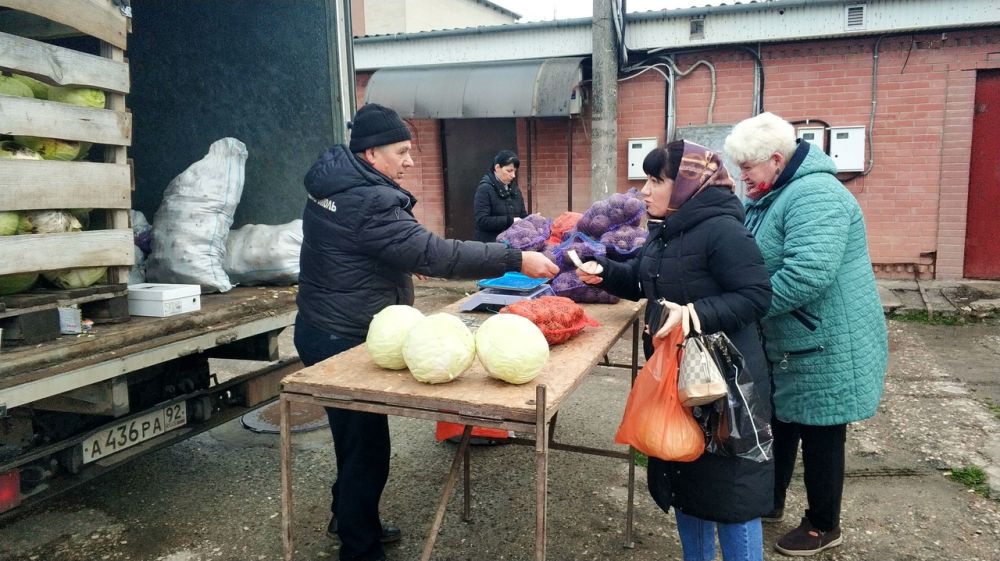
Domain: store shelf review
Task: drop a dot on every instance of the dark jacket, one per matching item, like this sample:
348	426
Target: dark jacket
360	243
496	207
703	254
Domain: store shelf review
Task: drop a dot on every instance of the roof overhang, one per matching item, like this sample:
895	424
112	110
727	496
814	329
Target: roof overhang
521	88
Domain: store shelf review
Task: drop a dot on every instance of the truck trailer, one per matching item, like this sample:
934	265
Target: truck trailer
176	76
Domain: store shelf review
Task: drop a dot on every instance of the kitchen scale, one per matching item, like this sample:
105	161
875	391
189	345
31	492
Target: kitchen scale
503	291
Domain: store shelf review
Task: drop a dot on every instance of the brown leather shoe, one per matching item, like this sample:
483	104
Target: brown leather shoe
807	540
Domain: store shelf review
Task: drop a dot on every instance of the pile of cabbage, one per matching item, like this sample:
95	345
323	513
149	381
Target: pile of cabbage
609	228
47	222
51	148
438	348
35	148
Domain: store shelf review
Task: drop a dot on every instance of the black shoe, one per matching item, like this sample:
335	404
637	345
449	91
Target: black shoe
773	517
390	534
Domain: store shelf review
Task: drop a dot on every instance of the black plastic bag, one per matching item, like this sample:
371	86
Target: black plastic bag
734	425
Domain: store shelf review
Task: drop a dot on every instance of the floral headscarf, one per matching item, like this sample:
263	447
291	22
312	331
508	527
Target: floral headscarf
700	168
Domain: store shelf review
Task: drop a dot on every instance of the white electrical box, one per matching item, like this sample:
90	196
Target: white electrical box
813	135
847	148
637	150
163	300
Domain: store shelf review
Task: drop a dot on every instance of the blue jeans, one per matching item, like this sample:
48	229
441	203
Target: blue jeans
741	541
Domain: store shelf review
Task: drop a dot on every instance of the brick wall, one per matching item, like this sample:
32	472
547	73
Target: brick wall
914	199
426	178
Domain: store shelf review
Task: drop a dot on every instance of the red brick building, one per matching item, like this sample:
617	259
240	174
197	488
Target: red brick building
932	196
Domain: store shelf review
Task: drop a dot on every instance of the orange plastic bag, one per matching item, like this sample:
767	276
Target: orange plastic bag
655	423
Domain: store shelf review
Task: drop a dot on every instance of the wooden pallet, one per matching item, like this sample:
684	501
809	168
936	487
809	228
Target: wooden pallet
33	317
26	29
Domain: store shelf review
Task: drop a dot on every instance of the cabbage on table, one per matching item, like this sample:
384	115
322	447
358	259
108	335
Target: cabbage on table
439	348
511	348
388	331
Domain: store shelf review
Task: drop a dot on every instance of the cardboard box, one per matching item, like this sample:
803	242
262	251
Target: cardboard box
70	320
163	300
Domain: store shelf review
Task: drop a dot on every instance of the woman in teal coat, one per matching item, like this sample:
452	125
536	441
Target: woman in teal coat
825	334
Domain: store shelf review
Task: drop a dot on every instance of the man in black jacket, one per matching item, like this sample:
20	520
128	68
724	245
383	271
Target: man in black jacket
360	246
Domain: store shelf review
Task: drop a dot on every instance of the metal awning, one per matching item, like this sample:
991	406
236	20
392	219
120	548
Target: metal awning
521	88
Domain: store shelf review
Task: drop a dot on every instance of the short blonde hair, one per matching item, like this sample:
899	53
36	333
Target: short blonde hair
756	138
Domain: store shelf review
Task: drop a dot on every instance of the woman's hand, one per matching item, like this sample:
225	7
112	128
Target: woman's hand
536	265
590	272
676	313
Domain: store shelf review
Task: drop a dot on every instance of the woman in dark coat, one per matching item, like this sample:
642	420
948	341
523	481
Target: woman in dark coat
498	202
699	252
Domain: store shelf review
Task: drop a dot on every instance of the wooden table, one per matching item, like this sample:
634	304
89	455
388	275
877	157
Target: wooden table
352	381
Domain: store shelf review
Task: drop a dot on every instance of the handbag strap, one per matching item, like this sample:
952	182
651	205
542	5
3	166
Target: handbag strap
692	316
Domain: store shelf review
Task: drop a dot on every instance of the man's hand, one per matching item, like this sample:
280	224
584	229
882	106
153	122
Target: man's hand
536	265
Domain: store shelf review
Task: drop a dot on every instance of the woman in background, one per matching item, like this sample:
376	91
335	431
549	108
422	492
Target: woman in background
498	202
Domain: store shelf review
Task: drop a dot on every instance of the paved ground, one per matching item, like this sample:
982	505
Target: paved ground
216	497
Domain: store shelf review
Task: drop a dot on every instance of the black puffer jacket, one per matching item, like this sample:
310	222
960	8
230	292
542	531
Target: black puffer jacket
496	207
360	244
702	254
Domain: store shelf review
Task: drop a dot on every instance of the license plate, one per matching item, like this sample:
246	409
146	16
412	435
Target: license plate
132	432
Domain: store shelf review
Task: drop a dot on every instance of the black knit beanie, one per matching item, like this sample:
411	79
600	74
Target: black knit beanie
376	125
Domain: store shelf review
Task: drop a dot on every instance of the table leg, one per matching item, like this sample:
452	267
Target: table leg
284	406
467	487
449	485
541	473
630	508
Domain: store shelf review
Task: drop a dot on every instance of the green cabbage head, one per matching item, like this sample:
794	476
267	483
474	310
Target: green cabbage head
76	278
84	97
10	150
51	148
387	333
39	89
10	86
439	348
511	348
9	221
17	282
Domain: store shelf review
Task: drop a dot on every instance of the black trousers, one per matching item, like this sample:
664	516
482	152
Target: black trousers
361	445
823	466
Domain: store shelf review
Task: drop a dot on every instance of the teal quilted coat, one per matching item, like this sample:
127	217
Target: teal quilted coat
825	333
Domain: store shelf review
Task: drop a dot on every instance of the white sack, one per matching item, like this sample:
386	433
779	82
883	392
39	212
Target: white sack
263	254
193	221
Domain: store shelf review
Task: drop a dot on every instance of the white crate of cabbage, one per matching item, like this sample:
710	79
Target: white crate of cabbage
163	300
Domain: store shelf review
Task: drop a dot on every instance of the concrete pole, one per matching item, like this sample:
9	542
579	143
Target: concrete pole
604	116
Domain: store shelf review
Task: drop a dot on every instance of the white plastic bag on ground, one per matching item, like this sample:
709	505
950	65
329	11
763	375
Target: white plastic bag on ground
263	254
193	221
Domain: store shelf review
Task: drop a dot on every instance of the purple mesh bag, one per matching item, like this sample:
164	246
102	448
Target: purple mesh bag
617	210
569	285
624	242
527	234
585	246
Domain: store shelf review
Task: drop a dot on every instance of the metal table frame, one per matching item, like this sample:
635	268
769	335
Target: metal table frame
543	417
